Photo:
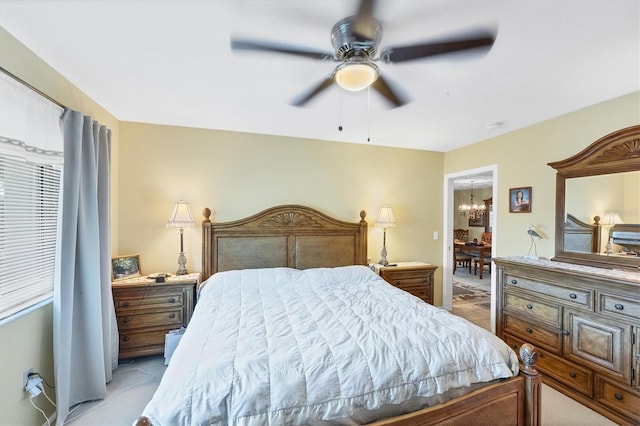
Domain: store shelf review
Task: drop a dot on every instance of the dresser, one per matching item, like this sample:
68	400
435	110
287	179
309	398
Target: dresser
584	321
413	277
146	311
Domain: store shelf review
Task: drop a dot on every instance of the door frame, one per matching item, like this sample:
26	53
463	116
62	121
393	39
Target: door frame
447	239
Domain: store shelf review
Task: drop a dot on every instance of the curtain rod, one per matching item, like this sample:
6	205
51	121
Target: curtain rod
39	92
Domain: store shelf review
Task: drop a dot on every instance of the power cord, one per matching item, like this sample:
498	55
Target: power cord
35	387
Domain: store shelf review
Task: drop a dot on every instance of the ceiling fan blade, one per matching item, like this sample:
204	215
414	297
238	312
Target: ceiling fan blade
364	24
382	86
265	46
306	97
417	51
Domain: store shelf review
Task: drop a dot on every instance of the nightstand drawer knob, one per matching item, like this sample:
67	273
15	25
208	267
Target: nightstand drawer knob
126	319
619	307
619	396
573	375
125	338
529	330
172	315
125	304
172	300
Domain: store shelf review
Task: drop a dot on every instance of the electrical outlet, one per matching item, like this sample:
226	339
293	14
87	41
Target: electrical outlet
25	376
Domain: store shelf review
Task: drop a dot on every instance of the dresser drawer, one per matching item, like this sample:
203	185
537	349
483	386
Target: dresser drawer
572	375
575	296
546	313
141	320
614	304
534	334
617	397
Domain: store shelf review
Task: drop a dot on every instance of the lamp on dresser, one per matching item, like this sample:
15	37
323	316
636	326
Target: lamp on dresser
181	218
385	220
610	219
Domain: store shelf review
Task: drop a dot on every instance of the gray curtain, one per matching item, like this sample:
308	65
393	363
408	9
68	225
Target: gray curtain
85	330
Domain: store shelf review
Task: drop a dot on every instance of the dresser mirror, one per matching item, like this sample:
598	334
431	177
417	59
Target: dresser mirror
597	195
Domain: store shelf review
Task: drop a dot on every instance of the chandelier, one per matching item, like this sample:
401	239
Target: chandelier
472	210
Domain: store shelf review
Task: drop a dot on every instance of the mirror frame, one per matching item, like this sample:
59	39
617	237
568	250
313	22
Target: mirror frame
616	152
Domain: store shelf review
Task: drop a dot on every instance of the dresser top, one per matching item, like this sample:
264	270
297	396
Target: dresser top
569	267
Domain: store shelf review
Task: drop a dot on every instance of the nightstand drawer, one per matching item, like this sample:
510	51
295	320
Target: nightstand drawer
398	277
413	277
141	320
136	340
149	302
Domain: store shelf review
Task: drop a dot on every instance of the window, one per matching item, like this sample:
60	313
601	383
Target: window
28	222
30	187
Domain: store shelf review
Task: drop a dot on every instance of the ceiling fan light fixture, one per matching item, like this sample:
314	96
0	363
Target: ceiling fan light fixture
355	76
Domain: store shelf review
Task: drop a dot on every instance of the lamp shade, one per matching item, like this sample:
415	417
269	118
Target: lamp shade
385	217
181	216
356	76
611	218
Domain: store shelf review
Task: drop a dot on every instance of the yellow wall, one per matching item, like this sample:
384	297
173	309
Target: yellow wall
239	174
522	158
27	342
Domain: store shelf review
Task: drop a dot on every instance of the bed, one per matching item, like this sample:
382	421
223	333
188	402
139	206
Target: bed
291	327
580	236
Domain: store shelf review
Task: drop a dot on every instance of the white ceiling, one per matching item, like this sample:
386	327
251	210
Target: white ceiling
169	62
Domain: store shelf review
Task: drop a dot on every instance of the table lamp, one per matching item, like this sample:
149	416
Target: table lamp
181	218
385	220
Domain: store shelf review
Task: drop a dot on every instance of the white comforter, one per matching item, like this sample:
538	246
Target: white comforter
284	346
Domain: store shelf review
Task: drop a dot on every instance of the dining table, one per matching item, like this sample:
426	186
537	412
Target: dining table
479	251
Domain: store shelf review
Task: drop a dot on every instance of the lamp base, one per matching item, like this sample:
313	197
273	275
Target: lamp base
182	261
383	257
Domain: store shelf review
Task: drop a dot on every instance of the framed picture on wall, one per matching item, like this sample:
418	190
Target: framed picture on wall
123	267
520	200
479	221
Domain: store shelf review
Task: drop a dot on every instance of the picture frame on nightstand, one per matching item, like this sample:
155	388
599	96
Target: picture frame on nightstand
124	267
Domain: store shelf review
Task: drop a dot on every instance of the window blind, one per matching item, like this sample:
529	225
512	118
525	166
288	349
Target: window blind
29	194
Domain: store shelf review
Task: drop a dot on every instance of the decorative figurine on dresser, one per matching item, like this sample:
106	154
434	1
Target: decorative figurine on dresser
582	308
148	307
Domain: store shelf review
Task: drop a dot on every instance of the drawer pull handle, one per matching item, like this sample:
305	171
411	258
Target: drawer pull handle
172	315
573	375
565	332
619	396
619	306
529	330
172	300
126	338
529	306
125	304
514	281
126	319
573	296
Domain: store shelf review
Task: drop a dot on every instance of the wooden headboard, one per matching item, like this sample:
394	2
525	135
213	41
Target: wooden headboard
290	235
580	236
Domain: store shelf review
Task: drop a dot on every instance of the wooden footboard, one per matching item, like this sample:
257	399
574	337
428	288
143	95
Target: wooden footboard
514	401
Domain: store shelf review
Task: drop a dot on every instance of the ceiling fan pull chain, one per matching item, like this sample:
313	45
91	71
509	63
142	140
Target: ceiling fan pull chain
369	114
340	108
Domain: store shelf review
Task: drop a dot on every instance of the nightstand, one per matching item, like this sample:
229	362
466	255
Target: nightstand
413	277
147	310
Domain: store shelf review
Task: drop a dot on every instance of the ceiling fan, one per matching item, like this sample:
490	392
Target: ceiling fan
355	40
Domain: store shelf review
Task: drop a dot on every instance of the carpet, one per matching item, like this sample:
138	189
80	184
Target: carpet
467	293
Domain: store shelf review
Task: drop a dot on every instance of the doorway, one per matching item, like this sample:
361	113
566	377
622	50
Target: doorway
450	210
